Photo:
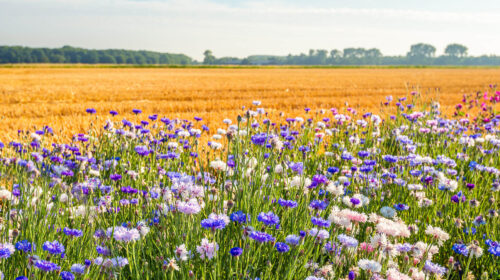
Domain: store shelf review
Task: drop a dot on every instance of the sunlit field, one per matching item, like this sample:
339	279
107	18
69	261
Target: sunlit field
313	174
59	96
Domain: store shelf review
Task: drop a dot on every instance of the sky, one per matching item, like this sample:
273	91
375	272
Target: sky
242	27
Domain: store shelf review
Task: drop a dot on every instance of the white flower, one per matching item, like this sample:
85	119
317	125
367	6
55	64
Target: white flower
218	165
437	233
475	250
369	265
172	145
5	194
181	252
278	169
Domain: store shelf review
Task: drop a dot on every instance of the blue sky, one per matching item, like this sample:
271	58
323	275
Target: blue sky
242	27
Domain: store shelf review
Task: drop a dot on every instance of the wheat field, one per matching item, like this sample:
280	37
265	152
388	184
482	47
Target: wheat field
31	97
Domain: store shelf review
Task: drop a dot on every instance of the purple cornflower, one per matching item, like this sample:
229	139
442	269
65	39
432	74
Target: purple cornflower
296	167
459	197
470	186
269	218
213	223
460	249
46	265
5	253
142	150
239	217
78	268
319	179
136	111
128	189
72	232
287	203
261	236
54	247
320	222
292	240
91	111
236	251
66	275
401	207
282	247
318	204
24	246
434	268
115	177
347	241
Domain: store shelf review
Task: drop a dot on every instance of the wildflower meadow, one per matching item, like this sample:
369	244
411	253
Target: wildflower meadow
402	192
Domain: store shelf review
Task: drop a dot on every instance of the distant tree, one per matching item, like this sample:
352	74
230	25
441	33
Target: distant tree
90	57
209	57
421	54
422	50
321	56
107	59
39	56
456	50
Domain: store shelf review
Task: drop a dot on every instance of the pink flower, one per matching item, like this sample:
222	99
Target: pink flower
207	249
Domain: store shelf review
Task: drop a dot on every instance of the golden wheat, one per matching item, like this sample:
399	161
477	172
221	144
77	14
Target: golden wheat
33	97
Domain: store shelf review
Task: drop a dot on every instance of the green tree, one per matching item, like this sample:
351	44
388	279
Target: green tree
209	58
421	53
456	50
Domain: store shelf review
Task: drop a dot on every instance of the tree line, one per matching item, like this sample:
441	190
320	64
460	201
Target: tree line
419	54
68	54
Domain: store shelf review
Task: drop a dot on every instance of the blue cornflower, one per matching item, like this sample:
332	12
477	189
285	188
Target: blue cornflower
471	230
72	232
24	246
66	275
261	236
21	278
459	197
318	204
236	251
363	154
296	167
91	110
142	150
78	268
239	217
268	218
333	170
136	111
54	247
319	179
292	239
287	203
460	249
5	253
46	265
282	247
320	222
259	139
434	268
213	223
401	207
